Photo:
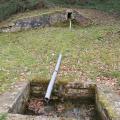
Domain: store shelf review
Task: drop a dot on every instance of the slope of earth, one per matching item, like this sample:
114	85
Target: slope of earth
88	53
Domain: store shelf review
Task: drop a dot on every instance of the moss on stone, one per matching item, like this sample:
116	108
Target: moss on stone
106	105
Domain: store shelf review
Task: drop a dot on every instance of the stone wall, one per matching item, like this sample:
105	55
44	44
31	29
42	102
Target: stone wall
79	90
70	90
45	20
81	20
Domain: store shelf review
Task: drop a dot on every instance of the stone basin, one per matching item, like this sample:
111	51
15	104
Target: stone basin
72	101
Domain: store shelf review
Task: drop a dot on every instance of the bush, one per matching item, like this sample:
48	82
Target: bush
71	1
84	1
13	6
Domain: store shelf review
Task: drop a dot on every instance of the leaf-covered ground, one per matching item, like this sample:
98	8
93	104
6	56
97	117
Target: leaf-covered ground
88	53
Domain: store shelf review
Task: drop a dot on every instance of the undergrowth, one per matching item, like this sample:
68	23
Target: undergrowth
9	7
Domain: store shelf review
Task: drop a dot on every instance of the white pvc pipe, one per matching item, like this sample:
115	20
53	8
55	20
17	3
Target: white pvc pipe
53	79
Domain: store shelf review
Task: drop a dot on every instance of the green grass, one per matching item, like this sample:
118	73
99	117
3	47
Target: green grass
32	54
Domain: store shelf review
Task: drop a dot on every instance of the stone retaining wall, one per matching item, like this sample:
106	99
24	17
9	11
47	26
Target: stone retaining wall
77	90
45	20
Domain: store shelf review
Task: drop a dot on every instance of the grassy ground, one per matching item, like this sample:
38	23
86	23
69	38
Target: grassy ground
87	53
